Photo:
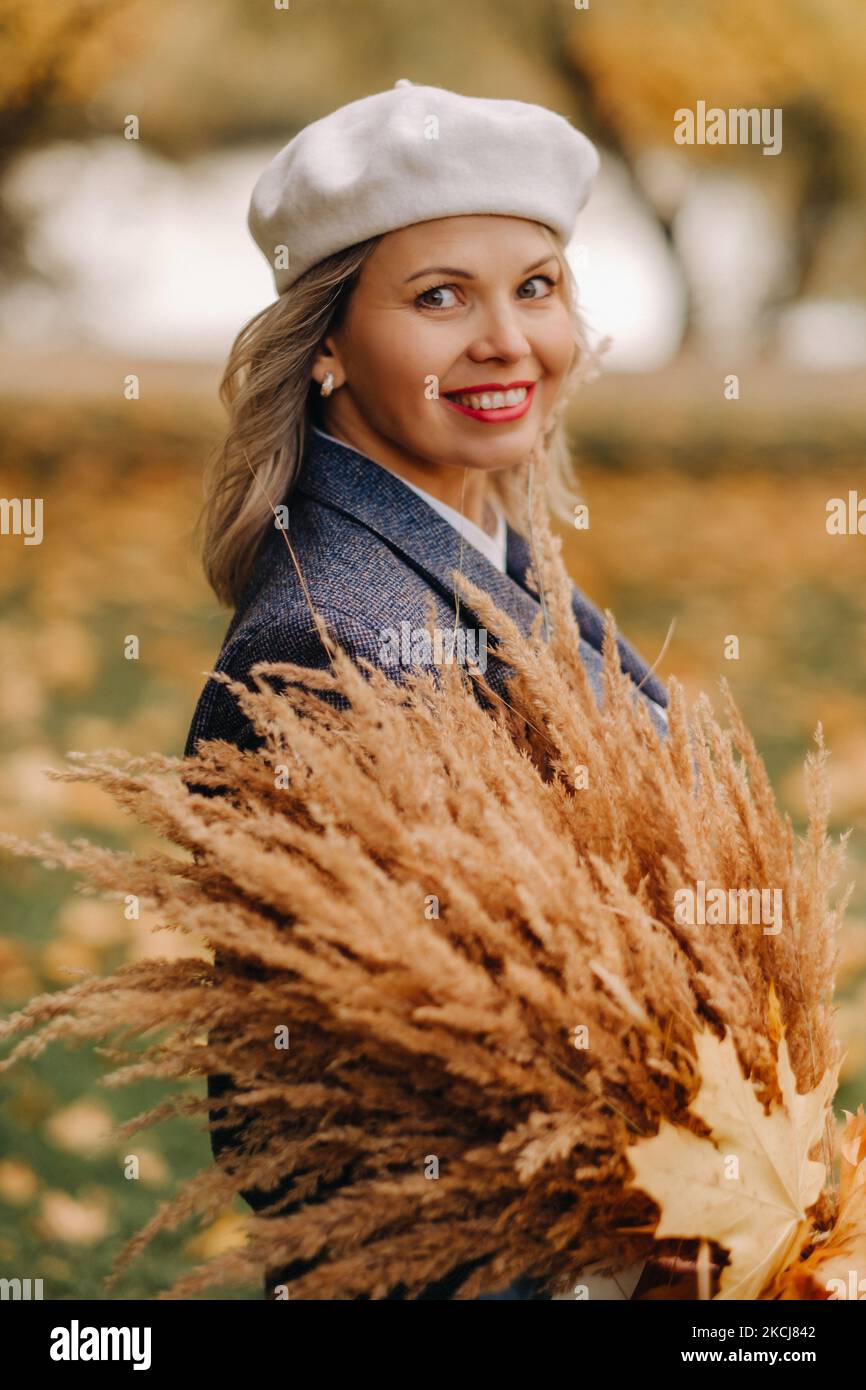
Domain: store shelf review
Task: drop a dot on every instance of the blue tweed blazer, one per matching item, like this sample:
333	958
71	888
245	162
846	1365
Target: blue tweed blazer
372	553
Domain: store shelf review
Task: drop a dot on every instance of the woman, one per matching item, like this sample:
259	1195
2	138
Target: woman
387	410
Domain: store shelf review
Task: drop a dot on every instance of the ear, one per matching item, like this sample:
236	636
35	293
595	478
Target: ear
327	359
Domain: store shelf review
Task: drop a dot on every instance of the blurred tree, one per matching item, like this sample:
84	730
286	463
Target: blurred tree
211	73
636	61
52	60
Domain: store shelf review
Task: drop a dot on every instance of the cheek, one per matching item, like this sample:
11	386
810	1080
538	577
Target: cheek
556	345
396	365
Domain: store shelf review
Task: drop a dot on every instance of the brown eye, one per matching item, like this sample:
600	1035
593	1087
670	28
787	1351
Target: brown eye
546	279
434	289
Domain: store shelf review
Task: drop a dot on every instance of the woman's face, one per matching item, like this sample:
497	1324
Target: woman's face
471	304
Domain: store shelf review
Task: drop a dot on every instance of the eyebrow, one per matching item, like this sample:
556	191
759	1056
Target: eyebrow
465	274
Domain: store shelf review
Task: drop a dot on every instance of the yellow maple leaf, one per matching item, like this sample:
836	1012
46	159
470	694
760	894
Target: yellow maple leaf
749	1185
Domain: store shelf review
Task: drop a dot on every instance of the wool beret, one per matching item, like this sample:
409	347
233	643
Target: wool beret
414	154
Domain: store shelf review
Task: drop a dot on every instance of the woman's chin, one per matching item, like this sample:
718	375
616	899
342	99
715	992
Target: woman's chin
493	454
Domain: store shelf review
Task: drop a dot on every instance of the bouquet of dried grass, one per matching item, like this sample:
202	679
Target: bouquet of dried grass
455	976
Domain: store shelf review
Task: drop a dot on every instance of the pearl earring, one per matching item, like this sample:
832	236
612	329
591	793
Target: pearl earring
327	385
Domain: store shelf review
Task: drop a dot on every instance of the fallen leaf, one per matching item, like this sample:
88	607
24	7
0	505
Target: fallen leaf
77	1222
82	1127
227	1232
18	1182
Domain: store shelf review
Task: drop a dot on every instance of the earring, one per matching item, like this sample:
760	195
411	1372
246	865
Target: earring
327	385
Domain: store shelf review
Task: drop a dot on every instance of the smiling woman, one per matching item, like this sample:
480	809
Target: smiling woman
389	415
338	327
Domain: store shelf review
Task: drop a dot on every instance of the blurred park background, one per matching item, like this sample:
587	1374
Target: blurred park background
132	256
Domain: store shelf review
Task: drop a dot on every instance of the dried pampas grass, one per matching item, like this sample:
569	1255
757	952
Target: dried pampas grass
462	921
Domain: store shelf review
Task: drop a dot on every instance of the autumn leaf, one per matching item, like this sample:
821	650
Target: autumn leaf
76	1221
774	1014
755	1207
836	1266
227	1232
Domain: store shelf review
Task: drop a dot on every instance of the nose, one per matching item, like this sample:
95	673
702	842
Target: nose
500	334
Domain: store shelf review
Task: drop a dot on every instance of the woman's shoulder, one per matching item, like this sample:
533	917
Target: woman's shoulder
270	630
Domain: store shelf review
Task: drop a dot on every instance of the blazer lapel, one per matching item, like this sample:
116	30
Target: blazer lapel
341	477
348	481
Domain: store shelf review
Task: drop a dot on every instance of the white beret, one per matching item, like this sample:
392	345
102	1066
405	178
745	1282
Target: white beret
413	154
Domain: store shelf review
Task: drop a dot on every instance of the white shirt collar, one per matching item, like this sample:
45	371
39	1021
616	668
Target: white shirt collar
493	547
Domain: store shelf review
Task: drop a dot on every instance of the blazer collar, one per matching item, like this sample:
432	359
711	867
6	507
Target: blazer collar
346	480
341	477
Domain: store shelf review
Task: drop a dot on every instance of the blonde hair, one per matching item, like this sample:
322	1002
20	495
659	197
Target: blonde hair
271	400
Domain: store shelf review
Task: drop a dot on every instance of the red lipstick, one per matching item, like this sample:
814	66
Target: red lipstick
493	416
